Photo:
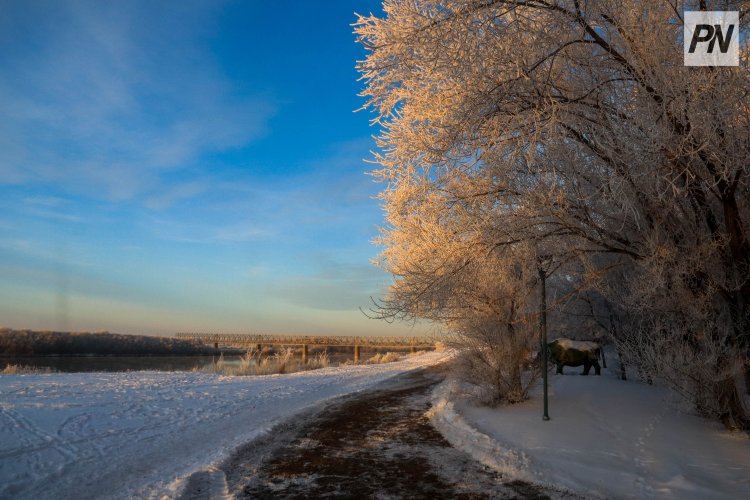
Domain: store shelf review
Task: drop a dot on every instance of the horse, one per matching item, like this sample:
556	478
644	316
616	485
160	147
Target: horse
567	352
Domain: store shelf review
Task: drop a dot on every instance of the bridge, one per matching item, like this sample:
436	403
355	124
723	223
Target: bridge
246	341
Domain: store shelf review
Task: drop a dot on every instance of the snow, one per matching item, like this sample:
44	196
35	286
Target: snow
141	434
580	345
606	438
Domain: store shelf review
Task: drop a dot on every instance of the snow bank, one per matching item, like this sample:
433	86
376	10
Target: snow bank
513	464
607	438
140	434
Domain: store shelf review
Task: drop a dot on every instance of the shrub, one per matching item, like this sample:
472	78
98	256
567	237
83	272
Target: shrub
499	361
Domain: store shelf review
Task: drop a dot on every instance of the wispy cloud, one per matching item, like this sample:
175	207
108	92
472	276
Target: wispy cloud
177	229
237	233
334	285
45	201
169	195
319	197
105	101
142	185
43	252
48	207
53	215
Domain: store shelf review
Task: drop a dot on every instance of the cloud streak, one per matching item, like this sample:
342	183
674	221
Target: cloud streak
333	285
105	101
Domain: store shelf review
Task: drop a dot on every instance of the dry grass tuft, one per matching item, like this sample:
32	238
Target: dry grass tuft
320	360
25	370
388	357
256	362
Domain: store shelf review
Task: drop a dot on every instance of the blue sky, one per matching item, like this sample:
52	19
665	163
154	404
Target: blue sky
185	166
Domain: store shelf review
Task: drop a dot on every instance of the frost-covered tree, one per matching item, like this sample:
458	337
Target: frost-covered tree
448	273
571	127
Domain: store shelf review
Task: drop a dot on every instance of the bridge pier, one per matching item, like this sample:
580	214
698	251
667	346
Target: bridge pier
413	349
304	354
356	353
216	345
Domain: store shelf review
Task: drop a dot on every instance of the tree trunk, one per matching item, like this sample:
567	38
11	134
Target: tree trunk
515	380
623	375
732	410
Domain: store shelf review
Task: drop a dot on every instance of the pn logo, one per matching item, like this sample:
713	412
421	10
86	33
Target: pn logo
712	38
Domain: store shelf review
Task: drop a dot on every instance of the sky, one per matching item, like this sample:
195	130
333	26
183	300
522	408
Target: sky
186	167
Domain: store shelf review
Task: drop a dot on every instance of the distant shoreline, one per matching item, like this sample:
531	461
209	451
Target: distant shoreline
30	343
225	352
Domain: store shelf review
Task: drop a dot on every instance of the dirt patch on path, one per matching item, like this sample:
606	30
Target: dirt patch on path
377	444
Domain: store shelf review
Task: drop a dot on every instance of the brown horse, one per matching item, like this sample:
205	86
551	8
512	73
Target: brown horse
566	352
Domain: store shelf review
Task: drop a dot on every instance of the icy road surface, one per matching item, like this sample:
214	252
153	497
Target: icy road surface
139	434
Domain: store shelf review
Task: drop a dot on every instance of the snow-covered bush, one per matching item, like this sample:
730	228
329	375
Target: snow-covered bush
498	360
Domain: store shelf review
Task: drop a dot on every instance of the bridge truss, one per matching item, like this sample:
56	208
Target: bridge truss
252	340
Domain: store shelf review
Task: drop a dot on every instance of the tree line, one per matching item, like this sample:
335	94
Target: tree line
46	343
565	137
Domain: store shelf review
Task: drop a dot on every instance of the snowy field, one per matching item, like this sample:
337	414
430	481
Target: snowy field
140	434
606	438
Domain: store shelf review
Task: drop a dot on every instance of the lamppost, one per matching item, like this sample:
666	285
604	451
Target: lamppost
543	332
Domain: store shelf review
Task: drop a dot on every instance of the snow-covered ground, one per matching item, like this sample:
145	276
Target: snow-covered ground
606	438
140	434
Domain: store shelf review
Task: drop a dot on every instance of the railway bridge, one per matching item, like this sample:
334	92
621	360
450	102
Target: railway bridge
246	341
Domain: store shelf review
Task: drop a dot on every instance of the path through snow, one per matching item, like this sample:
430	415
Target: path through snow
377	444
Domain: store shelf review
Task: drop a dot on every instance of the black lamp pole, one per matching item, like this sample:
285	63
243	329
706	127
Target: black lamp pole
543	331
